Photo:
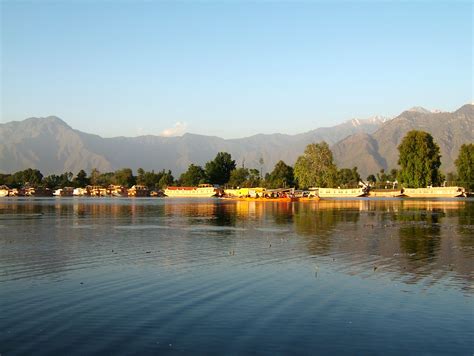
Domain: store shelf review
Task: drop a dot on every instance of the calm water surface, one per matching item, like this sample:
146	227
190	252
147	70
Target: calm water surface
157	276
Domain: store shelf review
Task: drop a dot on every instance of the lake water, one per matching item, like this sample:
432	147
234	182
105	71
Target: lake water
208	276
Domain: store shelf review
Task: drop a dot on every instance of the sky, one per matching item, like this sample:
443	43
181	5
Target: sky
230	68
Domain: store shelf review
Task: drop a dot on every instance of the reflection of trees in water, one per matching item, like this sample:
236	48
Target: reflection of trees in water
202	213
420	233
319	222
224	215
282	213
466	226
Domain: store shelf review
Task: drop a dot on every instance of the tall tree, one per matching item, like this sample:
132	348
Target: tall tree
419	160
166	179
218	170
193	176
238	177
348	177
81	179
52	181
32	177
282	176
124	177
316	168
465	165
95	174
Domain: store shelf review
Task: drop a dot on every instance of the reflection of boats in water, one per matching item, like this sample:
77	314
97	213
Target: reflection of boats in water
434	192
271	200
201	191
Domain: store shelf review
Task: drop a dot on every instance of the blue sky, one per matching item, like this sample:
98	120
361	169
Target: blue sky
231	68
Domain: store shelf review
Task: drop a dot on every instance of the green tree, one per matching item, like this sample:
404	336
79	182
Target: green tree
419	160
141	176
81	179
106	179
254	179
393	176
166	180
348	177
315	168
52	181
218	170
371	178
238	177
465	165
193	176
282	176
4	178
124	177
32	177
95	174
382	177
66	179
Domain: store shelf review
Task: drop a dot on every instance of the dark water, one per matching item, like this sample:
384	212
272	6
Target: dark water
155	276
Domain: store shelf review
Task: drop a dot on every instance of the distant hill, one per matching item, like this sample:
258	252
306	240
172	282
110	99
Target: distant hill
371	152
52	146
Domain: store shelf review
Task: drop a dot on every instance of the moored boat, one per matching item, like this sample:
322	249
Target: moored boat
435	192
340	192
385	193
201	191
4	191
138	191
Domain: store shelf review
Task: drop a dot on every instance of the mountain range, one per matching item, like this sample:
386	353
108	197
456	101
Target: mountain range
52	146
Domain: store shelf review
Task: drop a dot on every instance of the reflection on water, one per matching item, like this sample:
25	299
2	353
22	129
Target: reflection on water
411	236
160	268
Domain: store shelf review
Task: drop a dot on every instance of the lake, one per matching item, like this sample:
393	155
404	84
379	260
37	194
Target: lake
209	276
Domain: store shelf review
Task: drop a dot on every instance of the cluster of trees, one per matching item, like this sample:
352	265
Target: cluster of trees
419	161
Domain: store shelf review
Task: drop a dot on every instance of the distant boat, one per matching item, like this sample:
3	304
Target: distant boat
385	193
4	191
138	191
340	192
201	191
64	192
435	192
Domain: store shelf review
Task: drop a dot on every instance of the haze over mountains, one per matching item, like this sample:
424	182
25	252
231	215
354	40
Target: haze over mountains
52	146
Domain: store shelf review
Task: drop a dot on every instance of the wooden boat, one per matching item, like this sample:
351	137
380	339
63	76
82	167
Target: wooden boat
64	192
201	191
117	191
385	193
4	191
435	192
340	192
138	191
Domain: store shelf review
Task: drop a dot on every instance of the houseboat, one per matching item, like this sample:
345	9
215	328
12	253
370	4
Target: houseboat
117	191
4	191
435	192
64	192
340	192
201	191
138	191
385	193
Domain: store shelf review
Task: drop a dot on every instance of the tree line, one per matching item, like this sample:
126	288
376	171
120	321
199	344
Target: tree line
419	163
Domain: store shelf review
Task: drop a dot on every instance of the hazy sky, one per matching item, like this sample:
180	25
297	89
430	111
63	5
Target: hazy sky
230	68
